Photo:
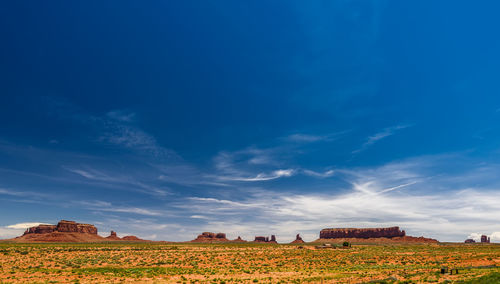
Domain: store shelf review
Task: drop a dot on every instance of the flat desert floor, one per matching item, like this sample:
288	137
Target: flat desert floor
247	263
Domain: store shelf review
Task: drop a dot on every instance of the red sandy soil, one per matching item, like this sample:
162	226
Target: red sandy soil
71	237
215	241
405	239
63	237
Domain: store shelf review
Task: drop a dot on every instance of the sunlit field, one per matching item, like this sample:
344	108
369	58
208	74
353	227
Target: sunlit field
256	263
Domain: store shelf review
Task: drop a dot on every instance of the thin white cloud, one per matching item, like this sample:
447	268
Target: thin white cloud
309	138
262	176
29	194
15	230
132	210
132	184
325	174
121	115
199	217
443	216
379	136
298	137
25	225
98	205
396	194
85	174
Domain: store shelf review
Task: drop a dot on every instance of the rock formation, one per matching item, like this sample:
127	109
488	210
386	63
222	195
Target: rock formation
485	239
113	236
298	240
63	226
69	231
342	233
469	241
238	240
261	239
131	238
372	235
209	237
40	229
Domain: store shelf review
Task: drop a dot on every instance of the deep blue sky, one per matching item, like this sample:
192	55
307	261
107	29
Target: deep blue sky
168	118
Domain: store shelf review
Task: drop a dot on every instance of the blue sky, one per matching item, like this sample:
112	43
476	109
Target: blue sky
167	119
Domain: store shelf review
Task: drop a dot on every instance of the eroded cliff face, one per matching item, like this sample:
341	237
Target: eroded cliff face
63	226
261	239
298	240
41	229
211	237
366	233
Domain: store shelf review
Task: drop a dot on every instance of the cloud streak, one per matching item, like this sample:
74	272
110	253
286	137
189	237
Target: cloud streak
393	194
379	136
262	176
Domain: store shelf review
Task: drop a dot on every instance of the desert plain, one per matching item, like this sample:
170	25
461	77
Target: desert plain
248	263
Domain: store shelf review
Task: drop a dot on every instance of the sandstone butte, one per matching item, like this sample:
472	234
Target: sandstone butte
391	234
298	240
209	237
68	231
260	239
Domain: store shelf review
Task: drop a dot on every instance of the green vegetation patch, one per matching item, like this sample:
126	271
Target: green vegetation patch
490	278
135	272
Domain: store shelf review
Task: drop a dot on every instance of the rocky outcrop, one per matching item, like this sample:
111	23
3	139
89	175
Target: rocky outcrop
298	240
485	239
261	239
74	227
238	240
70	231
113	236
41	229
342	233
209	237
132	238
64	227
469	241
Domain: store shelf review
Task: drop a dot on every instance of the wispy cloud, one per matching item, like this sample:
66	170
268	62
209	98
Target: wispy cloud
379	136
116	127
131	182
121	115
15	230
262	176
249	165
25	225
393	194
309	138
108	207
305	138
324	174
135	139
17	193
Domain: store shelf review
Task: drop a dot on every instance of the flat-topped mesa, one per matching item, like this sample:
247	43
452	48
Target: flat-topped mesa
211	237
366	233
40	229
261	239
63	226
74	227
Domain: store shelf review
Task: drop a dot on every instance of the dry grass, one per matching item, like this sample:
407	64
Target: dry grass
229	263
